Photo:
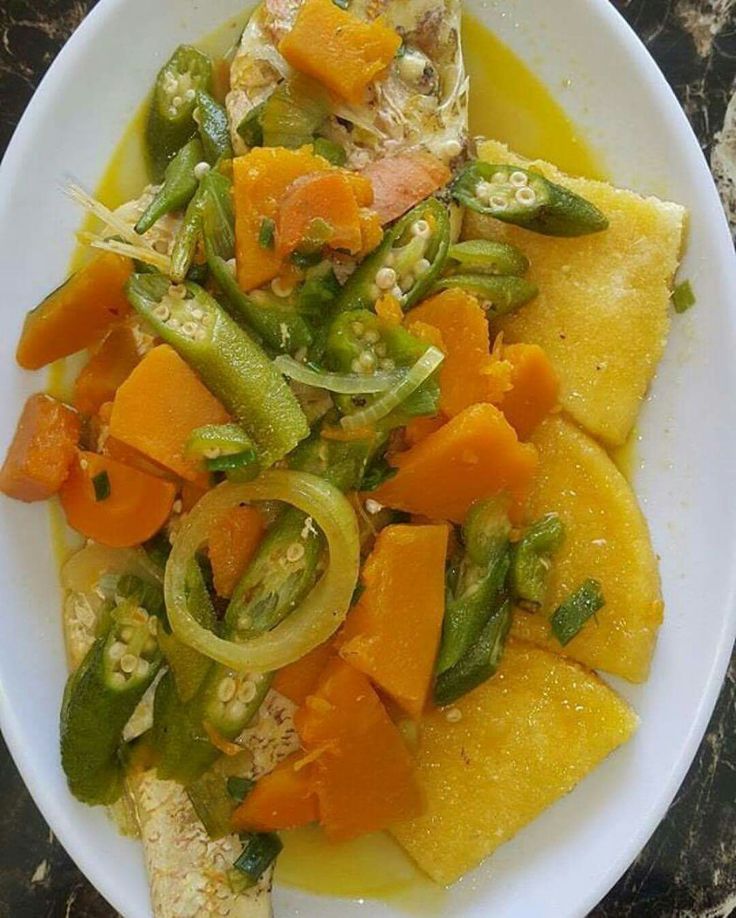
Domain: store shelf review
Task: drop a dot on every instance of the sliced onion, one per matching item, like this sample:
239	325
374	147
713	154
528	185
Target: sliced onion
342	383
322	611
419	373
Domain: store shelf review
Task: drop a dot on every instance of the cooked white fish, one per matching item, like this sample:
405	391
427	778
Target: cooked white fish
421	101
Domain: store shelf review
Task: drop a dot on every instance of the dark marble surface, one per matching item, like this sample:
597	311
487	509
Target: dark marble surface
688	869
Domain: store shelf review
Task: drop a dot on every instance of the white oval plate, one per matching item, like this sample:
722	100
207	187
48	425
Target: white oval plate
568	859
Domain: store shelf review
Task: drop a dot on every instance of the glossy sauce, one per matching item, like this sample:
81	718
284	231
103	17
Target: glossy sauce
508	102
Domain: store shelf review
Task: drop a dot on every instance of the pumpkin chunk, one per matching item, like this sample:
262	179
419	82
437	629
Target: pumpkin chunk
399	182
534	388
76	315
363	774
106	370
299	679
337	49
260	179
233	541
159	405
319	209
393	633
606	538
42	450
469	374
475	454
523	739
282	799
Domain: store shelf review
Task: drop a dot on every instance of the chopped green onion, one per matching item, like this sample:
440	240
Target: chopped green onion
419	373
101	484
259	852
342	383
266	233
575	611
683	297
239	788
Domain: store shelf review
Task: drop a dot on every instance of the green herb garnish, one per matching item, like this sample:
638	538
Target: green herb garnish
101	484
259	852
575	611
266	233
683	297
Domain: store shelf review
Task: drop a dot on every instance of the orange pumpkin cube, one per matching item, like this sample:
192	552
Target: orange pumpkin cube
232	542
282	799
534	388
106	370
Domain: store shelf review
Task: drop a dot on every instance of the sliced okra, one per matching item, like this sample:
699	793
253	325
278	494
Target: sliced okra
484	256
500	295
532	560
214	130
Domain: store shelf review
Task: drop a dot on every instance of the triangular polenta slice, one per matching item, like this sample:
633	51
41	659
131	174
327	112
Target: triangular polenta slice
606	538
602	314
523	740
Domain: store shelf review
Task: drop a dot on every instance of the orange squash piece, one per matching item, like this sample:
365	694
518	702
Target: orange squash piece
76	315
136	507
420	428
42	450
399	182
299	679
106	370
159	405
260	179
282	799
470	373
232	543
534	388
475	455
362	773
319	208
337	49
393	633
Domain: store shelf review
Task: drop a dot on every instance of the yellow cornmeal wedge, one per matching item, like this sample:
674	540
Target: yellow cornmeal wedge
606	538
522	741
602	314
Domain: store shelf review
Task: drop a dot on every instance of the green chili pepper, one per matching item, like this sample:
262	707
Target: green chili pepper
531	560
259	852
250	127
575	611
171	116
526	198
211	794
214	129
503	294
483	256
179	187
407	263
330	151
478	580
100	698
480	662
229	362
293	113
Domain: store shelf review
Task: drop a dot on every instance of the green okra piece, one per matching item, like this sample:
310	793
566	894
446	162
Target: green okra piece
531	560
171	121
501	295
224	448
574	612
232	366
250	128
214	129
484	256
100	698
187	239
475	585
480	661
293	113
406	263
179	187
526	198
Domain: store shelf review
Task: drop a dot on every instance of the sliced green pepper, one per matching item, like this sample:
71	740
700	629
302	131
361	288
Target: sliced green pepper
100	698
484	256
478	580
214	129
501	294
230	363
525	198
171	115
406	264
179	187
531	560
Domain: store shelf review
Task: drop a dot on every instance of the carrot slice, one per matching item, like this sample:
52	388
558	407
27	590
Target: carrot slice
232	543
299	679
106	370
534	388
393	633
43	449
341	51
399	182
475	454
76	315
362	773
159	405
113	503
282	799
319	209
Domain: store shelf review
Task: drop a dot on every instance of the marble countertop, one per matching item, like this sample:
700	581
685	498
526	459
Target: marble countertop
688	869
